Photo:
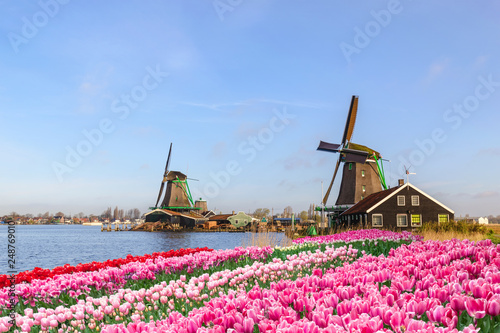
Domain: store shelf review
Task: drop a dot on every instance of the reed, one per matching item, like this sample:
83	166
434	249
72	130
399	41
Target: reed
266	238
445	235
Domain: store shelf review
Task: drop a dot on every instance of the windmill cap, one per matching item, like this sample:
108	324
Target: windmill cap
356	146
173	175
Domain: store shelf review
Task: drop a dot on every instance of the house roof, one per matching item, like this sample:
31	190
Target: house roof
376	199
364	205
220	217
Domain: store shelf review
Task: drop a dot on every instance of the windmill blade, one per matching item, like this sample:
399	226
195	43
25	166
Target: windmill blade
329	147
168	160
356	158
164	176
327	194
351	119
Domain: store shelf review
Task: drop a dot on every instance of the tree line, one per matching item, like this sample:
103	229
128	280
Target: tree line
109	213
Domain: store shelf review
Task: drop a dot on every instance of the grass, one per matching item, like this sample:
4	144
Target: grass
495	228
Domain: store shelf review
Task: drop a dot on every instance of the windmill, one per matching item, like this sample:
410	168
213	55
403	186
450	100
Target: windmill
177	194
363	172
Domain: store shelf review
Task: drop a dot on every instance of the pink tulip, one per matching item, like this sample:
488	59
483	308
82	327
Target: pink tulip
476	308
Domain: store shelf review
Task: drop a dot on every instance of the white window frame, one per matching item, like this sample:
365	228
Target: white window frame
417	202
381	220
362	173
397	220
411	222
363	188
447	217
404	201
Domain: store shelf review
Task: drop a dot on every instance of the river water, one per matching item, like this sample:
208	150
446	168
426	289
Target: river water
48	246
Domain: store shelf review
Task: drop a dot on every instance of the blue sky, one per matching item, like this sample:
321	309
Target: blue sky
93	92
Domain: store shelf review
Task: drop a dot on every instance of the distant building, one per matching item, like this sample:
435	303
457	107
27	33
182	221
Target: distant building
483	220
402	208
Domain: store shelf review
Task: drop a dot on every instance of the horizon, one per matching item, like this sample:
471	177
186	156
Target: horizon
93	96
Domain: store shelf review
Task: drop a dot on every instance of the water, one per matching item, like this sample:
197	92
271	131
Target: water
48	246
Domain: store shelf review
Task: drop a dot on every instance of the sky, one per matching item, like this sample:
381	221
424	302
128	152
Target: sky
92	93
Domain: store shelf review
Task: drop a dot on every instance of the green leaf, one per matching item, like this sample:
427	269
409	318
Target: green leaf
485	323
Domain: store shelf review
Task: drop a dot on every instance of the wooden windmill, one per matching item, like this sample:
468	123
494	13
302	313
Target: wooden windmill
177	195
363	172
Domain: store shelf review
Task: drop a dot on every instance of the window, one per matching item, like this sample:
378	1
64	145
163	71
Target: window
350	166
415	200
402	220
443	218
362	173
377	220
401	200
364	188
362	197
416	220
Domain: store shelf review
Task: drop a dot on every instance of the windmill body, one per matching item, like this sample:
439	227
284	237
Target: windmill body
362	171
177	194
358	181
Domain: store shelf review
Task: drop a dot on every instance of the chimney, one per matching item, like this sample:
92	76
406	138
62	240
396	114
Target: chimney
401	182
233	212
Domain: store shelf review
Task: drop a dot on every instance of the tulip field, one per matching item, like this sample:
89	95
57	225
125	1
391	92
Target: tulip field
358	281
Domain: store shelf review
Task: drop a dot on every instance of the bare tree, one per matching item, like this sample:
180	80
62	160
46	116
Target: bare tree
106	214
287	212
260	213
137	213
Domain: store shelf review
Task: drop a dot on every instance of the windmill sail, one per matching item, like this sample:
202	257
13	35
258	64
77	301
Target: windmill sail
359	177
164	176
351	120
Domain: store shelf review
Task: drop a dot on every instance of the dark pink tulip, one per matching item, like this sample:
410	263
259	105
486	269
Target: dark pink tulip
481	291
476	308
335	320
298	305
311	327
275	313
318	272
344	308
396	320
319	319
457	303
375	324
493	306
387	315
450	318
435	314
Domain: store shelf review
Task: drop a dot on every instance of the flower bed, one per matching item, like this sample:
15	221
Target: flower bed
41	274
356	235
379	283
